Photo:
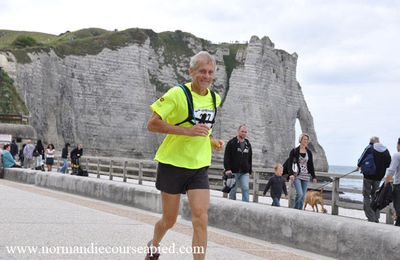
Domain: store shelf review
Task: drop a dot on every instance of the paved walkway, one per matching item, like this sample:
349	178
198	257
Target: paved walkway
48	224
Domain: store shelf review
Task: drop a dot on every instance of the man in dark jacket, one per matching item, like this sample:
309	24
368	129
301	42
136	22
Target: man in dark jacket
76	154
238	161
371	182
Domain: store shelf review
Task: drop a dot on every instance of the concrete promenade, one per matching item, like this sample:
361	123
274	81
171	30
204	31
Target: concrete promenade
50	224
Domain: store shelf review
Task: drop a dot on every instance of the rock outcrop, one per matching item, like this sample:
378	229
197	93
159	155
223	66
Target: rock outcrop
102	100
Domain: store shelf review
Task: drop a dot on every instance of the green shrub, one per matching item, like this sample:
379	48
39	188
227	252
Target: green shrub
24	41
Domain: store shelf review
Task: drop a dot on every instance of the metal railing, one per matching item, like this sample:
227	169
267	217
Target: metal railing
14	118
145	170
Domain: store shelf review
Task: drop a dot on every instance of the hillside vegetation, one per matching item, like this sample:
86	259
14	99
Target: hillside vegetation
10	101
91	41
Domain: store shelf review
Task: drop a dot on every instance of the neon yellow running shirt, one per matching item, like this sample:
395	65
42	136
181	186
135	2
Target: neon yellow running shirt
191	152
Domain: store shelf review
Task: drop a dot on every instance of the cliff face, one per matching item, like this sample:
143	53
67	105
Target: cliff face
265	95
102	100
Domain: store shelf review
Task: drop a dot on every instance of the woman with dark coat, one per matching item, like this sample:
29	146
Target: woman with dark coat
39	154
302	170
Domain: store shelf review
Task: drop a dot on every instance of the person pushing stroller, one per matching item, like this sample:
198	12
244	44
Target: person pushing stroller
75	155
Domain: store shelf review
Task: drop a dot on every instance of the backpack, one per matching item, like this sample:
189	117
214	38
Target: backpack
35	152
191	117
368	166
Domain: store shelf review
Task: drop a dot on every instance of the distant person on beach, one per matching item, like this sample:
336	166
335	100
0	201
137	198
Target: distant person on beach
238	161
185	154
381	159
277	185
371	181
302	157
394	170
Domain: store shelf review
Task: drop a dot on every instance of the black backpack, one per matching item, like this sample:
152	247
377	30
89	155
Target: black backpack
191	118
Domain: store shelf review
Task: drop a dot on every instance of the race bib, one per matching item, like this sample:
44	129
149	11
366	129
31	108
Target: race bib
204	116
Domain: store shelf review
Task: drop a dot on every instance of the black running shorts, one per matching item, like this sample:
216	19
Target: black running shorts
177	180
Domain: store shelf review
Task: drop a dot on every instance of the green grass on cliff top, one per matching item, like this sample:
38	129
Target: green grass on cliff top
94	40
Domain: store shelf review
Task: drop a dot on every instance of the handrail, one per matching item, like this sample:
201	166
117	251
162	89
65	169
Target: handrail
145	170
19	118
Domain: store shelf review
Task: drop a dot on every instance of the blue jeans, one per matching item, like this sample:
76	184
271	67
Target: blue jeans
301	189
242	179
276	202
64	168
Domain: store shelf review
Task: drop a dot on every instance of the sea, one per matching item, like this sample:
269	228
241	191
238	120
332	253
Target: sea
348	183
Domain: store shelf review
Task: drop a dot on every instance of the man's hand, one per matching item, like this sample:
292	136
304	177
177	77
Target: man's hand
228	172
291	177
217	144
388	179
198	130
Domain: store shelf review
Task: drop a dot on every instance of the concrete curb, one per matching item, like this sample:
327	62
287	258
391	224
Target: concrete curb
334	236
137	196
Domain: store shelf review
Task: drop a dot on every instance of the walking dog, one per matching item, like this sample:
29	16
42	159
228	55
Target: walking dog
314	198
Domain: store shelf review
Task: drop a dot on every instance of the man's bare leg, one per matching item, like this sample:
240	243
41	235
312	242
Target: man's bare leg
199	201
170	204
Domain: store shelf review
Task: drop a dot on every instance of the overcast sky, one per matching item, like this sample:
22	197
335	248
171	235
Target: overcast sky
349	58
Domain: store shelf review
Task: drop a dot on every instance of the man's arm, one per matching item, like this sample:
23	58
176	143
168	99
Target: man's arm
156	124
392	168
227	158
250	158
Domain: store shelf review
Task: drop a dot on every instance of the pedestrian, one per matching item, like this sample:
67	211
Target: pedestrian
76	154
21	155
50	151
238	161
380	160
302	158
277	185
28	155
38	153
64	157
394	170
7	159
14	148
184	114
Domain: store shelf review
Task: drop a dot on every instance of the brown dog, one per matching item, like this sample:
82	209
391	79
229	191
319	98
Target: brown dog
314	198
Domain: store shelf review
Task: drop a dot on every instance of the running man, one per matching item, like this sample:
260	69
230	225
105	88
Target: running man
185	154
